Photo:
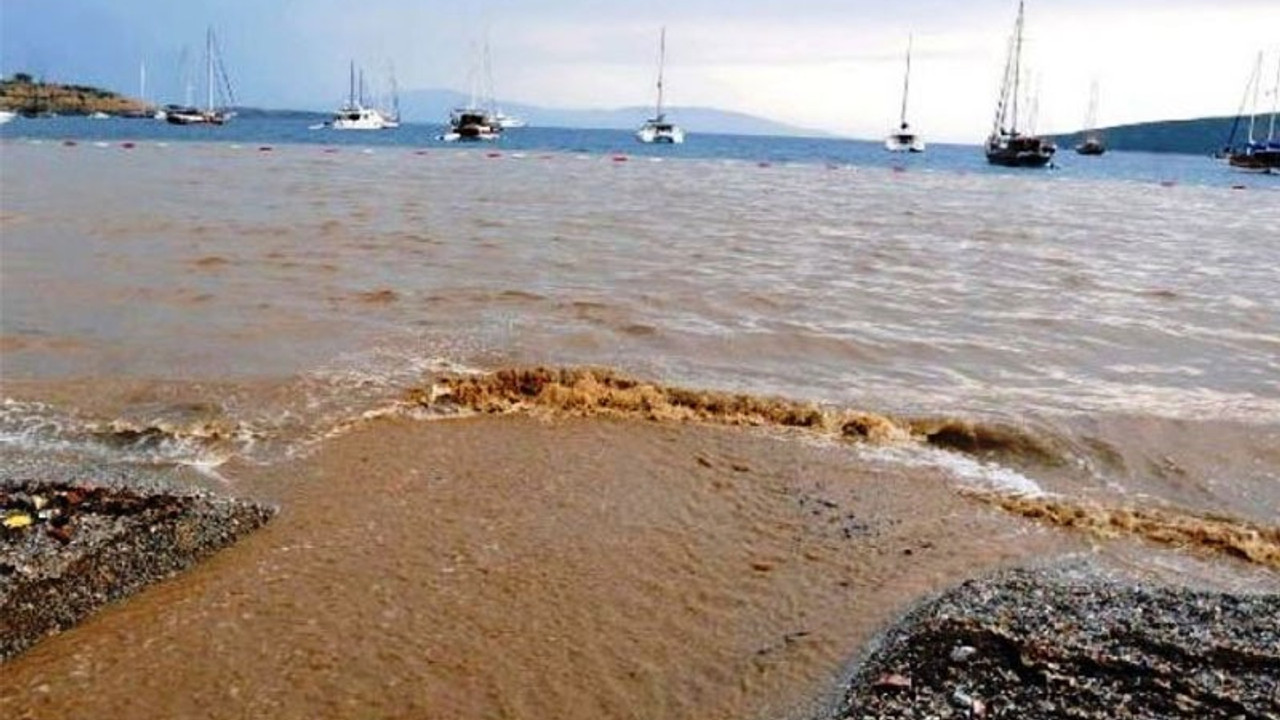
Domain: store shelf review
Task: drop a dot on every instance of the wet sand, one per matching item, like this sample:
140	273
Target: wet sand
524	568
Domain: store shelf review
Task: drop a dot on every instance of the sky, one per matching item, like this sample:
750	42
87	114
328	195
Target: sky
830	65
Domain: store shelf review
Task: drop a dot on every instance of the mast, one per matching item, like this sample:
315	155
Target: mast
361	98
997	123
906	85
1275	103
208	68
1017	69
142	81
395	94
1257	82
662	61
490	101
351	86
1091	118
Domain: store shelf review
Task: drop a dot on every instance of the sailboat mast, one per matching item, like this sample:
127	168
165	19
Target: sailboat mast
1257	83
906	85
361	94
1275	103
490	101
142	82
1017	69
351	86
208	68
662	61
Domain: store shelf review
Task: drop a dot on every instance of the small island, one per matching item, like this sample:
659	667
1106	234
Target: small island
27	96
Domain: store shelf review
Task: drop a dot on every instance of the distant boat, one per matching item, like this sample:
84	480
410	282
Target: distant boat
216	80
6	116
903	140
507	122
657	129
354	115
1007	146
1092	144
477	120
1256	155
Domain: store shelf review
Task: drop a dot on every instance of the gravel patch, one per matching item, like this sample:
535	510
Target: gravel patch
67	548
1071	642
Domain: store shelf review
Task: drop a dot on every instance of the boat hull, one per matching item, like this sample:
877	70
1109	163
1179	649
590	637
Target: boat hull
661	135
1091	148
904	143
1261	161
1021	151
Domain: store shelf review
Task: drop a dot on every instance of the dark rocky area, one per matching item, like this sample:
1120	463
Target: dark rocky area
68	548
1071	642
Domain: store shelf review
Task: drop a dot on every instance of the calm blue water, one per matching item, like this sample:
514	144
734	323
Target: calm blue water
1125	166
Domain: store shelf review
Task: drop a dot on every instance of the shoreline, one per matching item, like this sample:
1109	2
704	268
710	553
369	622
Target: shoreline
562	567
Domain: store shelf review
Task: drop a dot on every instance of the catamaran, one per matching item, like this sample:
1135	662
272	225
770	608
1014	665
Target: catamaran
903	139
1257	155
657	129
1007	145
216	80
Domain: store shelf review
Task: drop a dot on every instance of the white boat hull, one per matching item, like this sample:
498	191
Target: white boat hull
6	116
912	144
672	136
361	118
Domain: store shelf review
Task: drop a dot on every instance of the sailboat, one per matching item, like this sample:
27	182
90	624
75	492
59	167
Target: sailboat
657	129
215	77
1257	155
476	121
1007	146
354	115
903	140
1092	144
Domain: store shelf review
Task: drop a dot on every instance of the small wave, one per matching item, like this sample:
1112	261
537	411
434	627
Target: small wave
596	391
1169	526
182	438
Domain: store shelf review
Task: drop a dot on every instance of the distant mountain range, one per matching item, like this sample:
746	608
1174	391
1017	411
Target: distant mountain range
1202	136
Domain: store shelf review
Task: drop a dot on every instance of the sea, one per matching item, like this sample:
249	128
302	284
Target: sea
553	320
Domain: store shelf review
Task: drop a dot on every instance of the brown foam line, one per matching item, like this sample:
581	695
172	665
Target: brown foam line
1181	528
589	392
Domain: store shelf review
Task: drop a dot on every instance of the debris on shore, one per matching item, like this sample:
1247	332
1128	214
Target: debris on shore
67	549
1073	643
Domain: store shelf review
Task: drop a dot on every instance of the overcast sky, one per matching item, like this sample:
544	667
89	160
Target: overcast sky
834	65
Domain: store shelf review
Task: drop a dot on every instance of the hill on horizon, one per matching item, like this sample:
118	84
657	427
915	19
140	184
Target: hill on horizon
1197	136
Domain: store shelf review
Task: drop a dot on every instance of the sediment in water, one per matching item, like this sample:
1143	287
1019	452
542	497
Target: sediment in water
1073	643
67	549
589	392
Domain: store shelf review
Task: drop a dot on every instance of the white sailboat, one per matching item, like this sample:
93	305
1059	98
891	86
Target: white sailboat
6	116
354	115
215	81
657	129
903	139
